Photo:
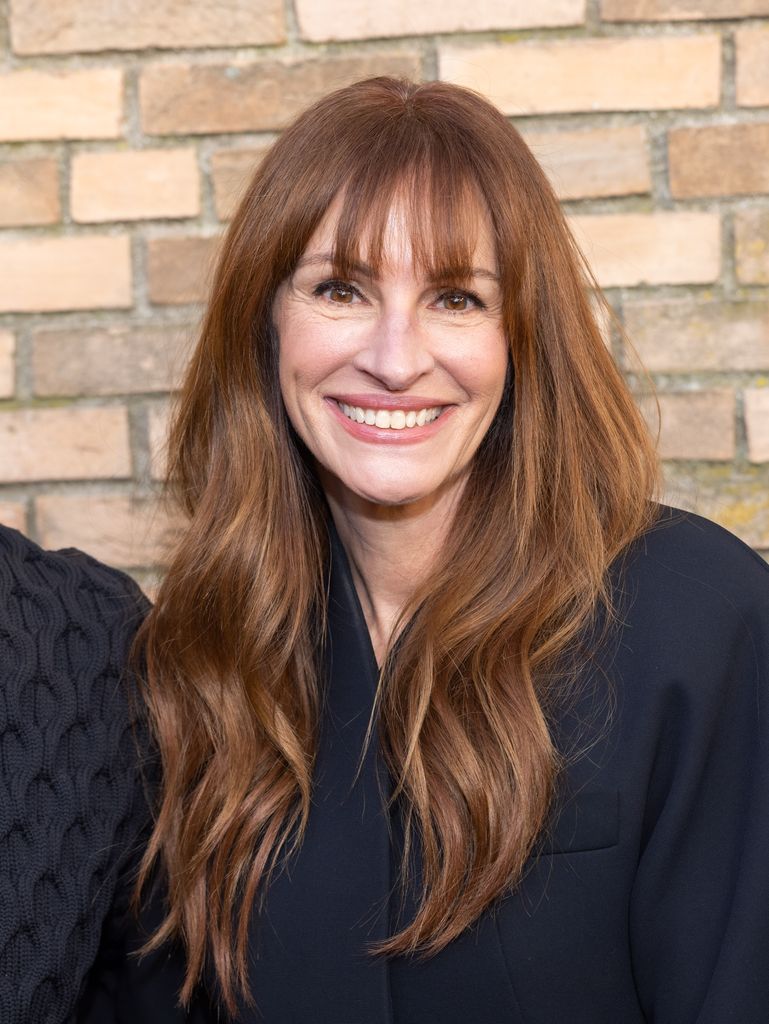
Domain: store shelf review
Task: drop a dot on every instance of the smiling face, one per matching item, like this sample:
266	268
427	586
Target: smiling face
391	379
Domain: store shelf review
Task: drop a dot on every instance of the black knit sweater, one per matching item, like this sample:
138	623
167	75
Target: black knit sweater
71	798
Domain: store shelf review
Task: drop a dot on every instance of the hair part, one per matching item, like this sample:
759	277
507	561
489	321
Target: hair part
561	484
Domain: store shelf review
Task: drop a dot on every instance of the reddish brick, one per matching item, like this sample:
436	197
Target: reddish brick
595	161
719	160
753	66
29	192
14	514
231	170
681	10
7	371
757	423
696	424
63	444
61	104
109	361
189	99
179	270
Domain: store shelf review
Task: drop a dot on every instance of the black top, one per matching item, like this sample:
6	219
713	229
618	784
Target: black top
71	804
648	899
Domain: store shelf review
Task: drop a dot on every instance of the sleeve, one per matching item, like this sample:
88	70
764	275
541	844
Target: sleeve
699	912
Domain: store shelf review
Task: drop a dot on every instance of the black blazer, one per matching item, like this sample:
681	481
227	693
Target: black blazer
648	896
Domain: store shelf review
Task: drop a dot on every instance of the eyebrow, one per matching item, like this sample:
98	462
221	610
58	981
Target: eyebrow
365	270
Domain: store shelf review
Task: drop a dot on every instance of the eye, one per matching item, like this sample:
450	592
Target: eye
459	302
339	292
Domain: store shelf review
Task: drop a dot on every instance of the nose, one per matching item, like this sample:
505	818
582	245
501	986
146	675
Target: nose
395	351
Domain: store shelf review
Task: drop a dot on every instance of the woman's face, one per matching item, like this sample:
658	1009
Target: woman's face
393	380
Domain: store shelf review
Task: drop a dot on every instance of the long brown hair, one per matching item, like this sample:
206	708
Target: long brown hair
560	485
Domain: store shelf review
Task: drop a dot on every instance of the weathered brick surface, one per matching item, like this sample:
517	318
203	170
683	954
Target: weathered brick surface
47	274
135	185
194	99
7	372
753	65
650	248
61	104
231	170
686	336
70	26
681	10
179	270
594	162
14	514
63	444
158	418
751	234
29	192
737	499
757	423
590	74
737	153
111	361
696	424
119	529
321	20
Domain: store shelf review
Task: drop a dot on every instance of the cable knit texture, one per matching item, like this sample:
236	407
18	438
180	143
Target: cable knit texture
71	798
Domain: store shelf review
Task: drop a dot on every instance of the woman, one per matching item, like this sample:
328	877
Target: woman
456	724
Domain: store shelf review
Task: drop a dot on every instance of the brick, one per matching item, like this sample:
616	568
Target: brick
118	529
695	424
322	20
737	499
590	74
63	104
64	444
231	170
179	270
757	423
109	361
628	249
719	160
157	422
753	65
135	185
85	26
681	10
751	235
29	192
14	514
594	162
7	372
197	99
78	272
683	336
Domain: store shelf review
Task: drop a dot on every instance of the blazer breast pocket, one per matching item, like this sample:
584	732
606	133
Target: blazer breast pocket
583	821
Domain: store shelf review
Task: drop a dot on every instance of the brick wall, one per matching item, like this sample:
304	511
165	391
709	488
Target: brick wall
127	130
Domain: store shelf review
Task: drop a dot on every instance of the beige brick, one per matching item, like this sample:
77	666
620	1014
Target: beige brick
48	274
231	170
7	361
751	233
63	444
681	10
719	160
82	26
14	514
119	529
590	74
179	270
757	423
594	162
695	424
683	336
194	99
650	248
321	20
753	66
737	499
29	192
158	419
135	185
109	361
63	104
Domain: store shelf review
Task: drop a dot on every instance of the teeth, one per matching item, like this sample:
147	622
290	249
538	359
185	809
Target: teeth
391	419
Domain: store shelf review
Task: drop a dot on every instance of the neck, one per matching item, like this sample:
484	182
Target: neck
391	549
